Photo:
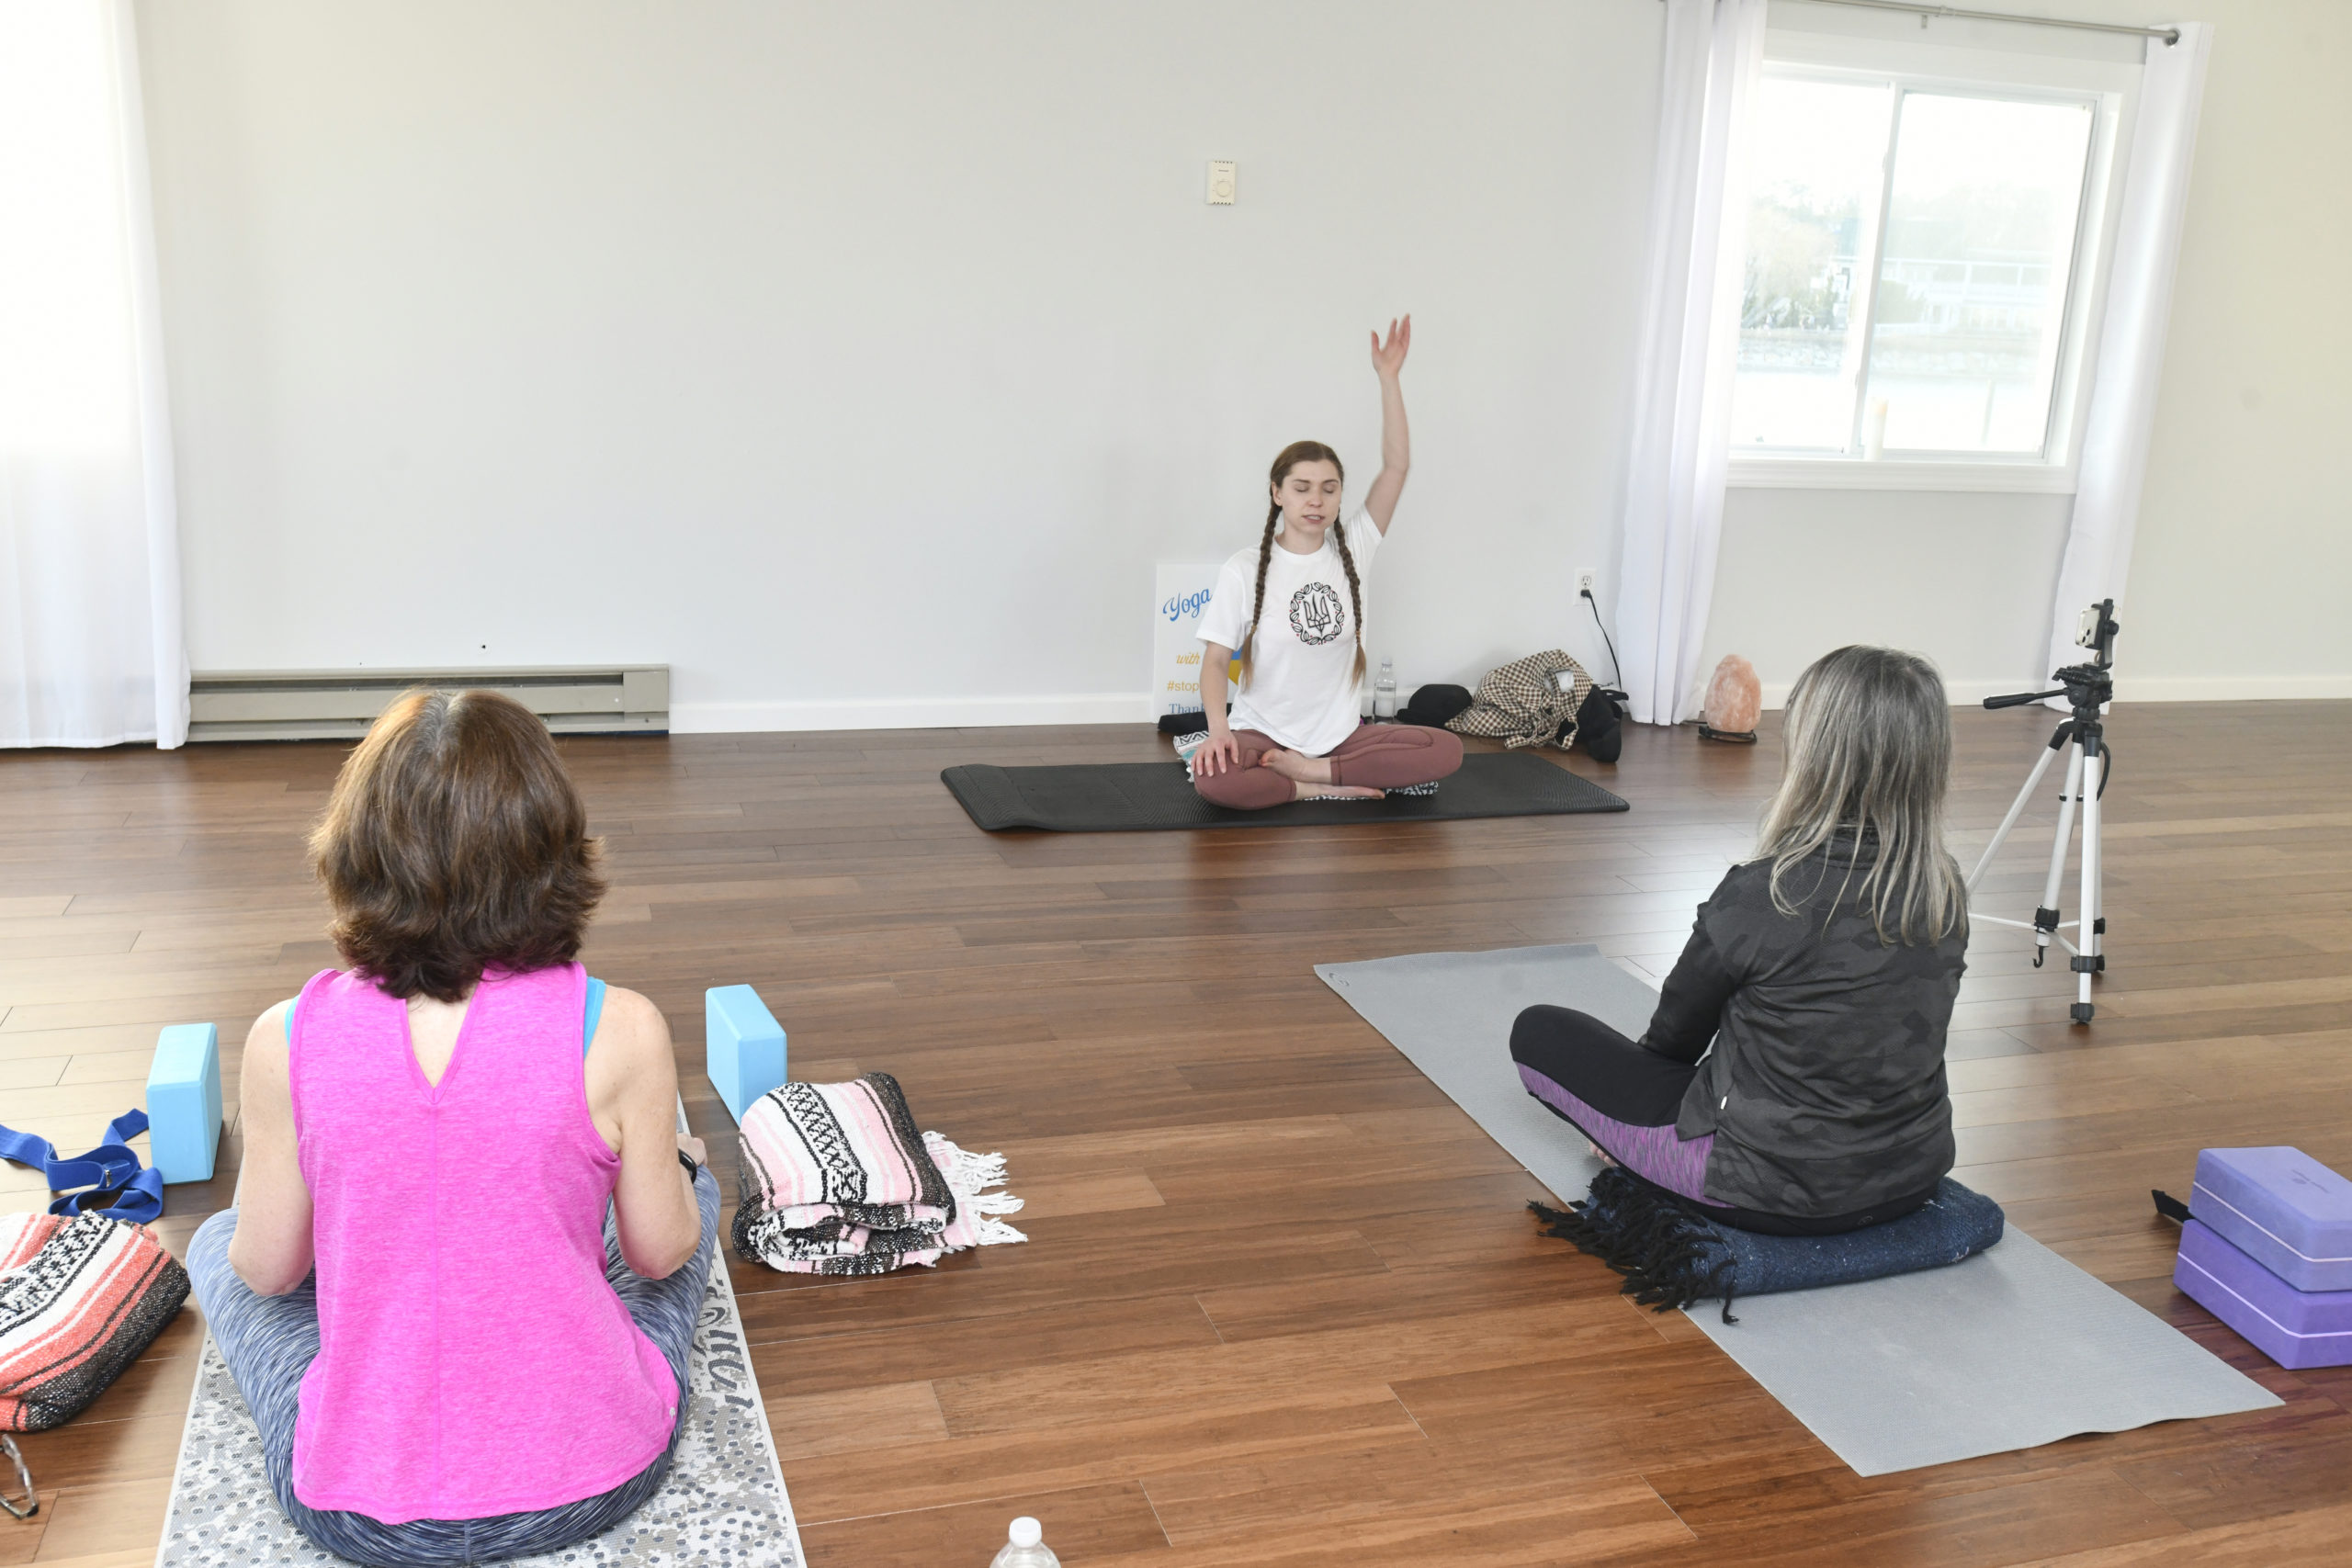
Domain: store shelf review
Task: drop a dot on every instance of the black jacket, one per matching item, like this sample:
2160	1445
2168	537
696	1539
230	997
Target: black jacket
1825	1089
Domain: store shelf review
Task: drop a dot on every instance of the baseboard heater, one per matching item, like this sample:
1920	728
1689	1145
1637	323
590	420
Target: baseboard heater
326	705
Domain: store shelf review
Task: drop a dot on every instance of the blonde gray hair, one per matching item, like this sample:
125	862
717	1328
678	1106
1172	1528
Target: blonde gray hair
1867	734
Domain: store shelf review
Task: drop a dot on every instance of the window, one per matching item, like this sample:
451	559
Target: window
1914	260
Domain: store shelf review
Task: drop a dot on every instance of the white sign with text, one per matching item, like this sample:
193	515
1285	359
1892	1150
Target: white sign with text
1182	593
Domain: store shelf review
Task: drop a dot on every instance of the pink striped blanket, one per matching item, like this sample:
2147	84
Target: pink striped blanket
81	1298
835	1179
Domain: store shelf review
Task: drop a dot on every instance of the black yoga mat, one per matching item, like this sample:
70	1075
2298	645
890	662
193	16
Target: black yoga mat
1125	797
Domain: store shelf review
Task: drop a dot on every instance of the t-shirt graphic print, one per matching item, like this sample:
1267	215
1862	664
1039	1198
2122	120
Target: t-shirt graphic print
1318	614
1303	690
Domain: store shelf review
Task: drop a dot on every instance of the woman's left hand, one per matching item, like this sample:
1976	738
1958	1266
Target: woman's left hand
1388	358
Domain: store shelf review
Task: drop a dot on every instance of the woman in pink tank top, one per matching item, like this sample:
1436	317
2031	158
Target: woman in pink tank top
470	1248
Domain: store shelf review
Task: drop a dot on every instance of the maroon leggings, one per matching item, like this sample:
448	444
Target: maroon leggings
1377	756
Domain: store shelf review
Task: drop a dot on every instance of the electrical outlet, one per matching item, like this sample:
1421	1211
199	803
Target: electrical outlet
1221	183
1586	577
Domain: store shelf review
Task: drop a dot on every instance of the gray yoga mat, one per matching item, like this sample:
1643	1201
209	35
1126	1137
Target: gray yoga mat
2014	1348
723	1501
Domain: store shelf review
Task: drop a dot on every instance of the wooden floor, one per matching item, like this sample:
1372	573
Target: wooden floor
1281	1302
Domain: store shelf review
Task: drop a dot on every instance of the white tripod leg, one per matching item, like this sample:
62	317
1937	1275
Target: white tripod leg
2016	810
2045	919
2087	961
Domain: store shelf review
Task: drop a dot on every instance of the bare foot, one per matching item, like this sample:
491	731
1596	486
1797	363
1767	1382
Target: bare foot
1302	790
1598	1153
1297	767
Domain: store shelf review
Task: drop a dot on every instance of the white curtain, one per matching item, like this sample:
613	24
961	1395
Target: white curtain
1673	489
2131	336
91	652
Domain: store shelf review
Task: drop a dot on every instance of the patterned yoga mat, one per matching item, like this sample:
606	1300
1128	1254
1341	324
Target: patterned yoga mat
723	1501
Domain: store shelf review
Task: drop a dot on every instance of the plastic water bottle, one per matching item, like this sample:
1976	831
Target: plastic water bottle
1026	1547
1384	691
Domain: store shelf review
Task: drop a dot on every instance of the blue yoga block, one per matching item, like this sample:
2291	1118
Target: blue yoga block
742	1047
184	1102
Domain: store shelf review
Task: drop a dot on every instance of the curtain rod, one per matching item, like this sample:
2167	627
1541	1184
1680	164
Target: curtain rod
2170	35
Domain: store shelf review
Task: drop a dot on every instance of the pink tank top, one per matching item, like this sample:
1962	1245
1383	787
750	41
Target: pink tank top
472	1360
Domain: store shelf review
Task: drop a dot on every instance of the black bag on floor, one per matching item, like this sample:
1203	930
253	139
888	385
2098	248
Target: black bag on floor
1599	723
1432	706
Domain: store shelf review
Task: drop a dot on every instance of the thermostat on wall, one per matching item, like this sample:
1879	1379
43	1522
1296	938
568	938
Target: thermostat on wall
1220	183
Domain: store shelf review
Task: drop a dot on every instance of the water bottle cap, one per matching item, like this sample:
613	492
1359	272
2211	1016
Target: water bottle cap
1027	1531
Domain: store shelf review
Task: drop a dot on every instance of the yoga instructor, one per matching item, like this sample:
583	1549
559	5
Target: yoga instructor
1791	1080
480	1365
1294	610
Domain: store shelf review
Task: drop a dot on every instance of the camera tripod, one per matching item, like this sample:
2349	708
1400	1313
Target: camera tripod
2087	688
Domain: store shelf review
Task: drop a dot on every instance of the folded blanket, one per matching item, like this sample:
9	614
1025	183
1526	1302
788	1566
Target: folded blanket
835	1179
1672	1255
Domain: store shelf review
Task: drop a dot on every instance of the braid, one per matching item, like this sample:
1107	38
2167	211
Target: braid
1265	555
1355	589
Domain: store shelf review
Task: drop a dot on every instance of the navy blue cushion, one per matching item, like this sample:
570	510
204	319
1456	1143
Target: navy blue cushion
1672	1255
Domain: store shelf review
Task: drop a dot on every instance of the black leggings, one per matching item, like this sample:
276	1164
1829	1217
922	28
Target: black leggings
1625	1100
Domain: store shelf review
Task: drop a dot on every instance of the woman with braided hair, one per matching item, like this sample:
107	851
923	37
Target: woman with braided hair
1292	609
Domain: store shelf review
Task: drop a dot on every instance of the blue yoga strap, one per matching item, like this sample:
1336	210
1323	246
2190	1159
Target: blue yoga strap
110	1172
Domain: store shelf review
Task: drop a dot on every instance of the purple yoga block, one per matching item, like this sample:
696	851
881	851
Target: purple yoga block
2294	1328
2283	1209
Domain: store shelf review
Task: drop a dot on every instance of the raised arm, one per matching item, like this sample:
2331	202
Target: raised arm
1396	441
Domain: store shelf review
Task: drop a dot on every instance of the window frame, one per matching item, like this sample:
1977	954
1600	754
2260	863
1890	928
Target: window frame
2110	87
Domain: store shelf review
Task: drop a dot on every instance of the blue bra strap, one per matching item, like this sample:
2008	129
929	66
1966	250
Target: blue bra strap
594	1010
591	1013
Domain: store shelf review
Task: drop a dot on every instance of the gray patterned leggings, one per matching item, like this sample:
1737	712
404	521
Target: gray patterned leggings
270	1341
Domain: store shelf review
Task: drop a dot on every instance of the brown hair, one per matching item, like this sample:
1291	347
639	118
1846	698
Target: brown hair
455	842
1290	457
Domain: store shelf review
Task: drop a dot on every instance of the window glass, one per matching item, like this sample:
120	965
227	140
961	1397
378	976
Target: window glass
1934	327
1819	164
1980	243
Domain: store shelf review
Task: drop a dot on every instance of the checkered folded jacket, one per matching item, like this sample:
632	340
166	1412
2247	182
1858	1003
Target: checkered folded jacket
1522	702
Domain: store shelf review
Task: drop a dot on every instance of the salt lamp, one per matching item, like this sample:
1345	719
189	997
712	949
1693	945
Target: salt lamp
1735	696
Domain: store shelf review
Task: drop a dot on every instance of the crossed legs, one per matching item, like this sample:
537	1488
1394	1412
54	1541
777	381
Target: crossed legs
1376	757
1625	1100
269	1342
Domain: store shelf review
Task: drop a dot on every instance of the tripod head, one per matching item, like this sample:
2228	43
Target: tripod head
2086	687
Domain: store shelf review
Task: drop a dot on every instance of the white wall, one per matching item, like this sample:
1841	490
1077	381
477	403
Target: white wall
2244	556
1966	578
860	360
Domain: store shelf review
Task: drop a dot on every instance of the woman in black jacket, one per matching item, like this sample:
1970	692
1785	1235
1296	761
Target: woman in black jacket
1822	972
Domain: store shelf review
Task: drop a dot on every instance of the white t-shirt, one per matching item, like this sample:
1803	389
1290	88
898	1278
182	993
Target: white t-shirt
1302	691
